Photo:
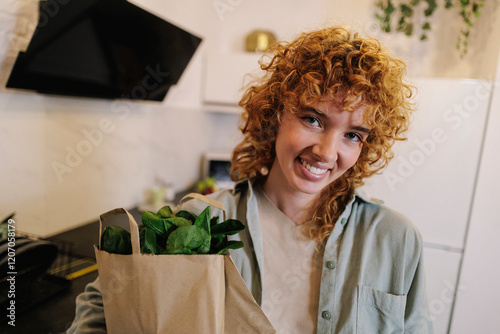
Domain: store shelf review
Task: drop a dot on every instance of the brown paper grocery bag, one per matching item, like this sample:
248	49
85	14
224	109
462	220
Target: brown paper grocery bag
144	293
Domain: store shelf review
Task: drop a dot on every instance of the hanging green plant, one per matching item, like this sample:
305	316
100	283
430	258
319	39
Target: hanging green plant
403	16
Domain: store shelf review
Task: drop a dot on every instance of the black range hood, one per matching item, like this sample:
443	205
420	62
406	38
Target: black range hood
104	49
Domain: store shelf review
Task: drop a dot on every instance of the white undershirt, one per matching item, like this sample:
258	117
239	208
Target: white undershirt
292	271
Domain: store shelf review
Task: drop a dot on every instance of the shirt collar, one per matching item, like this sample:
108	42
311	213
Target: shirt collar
363	195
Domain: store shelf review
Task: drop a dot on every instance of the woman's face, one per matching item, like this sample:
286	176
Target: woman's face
316	146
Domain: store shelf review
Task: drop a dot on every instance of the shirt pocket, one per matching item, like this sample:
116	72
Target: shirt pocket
379	312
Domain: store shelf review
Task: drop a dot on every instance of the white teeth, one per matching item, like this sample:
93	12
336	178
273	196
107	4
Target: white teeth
312	169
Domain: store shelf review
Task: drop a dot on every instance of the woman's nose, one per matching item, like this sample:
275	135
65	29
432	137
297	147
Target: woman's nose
327	148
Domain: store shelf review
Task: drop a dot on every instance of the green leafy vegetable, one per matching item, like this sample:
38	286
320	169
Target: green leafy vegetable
116	239
185	236
150	246
166	212
182	233
232	244
154	222
186	214
179	221
229	227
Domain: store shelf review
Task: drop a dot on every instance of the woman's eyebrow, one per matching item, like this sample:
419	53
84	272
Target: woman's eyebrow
361	129
316	111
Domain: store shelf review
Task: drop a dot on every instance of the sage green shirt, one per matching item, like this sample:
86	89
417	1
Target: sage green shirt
372	279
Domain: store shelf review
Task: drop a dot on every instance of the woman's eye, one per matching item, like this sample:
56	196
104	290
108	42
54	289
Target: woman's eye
353	136
310	120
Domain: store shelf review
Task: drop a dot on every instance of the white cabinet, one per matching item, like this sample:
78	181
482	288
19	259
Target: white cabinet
226	75
431	178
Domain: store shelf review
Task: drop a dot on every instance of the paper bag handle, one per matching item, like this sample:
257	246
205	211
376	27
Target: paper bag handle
134	228
207	200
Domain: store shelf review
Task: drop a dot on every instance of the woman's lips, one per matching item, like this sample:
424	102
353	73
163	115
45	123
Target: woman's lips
312	169
312	173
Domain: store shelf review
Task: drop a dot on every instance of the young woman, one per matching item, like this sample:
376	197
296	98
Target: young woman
319	257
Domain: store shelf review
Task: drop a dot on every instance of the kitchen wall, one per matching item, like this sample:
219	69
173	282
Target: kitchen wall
64	161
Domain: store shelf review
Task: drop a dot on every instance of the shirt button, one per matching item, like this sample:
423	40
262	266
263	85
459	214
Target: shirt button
326	315
343	221
330	264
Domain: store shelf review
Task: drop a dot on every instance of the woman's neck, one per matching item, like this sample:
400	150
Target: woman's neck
293	204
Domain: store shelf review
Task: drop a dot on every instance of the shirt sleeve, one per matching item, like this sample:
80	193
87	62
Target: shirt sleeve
89	315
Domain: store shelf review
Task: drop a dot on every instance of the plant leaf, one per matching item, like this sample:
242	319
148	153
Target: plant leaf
232	244
154	222
228	227
179	221
166	212
406	10
214	221
185	236
116	239
205	246
216	242
432	5
187	215
150	242
203	220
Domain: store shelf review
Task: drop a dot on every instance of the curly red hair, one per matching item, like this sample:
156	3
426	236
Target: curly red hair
315	66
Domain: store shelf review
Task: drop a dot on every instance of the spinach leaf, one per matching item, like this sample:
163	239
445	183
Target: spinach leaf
142	233
116	239
216	243
187	215
228	227
185	236
166	212
214	220
179	221
150	246
231	244
154	222
203	219
205	245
